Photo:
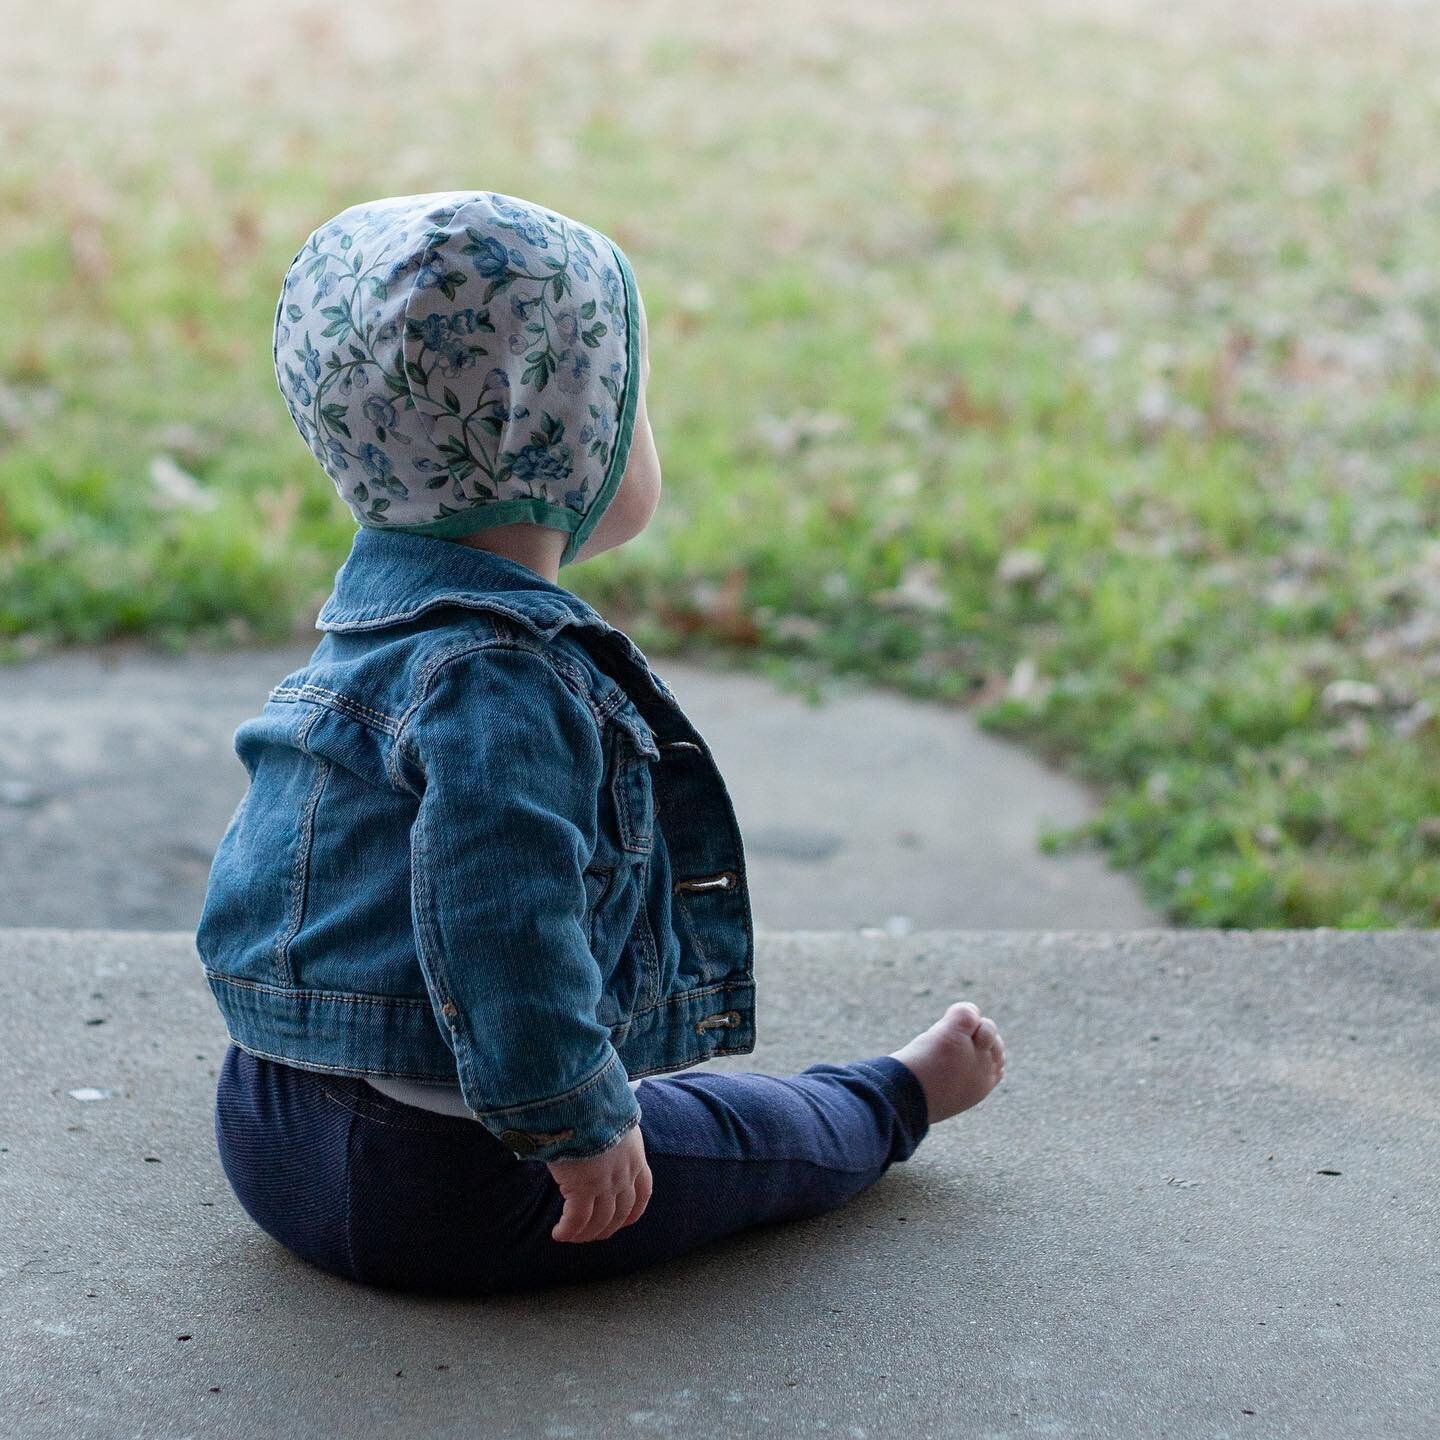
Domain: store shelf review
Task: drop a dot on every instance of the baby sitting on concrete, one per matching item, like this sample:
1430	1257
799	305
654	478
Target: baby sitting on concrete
486	893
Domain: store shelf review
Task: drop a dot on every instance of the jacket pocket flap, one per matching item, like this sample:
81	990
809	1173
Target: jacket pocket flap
633	723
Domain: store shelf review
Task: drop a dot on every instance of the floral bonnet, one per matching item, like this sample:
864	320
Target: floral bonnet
459	360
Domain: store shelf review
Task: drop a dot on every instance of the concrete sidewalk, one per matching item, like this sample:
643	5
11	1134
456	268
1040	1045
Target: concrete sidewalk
1202	1204
869	809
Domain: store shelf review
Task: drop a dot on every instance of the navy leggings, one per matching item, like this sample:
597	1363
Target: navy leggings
394	1196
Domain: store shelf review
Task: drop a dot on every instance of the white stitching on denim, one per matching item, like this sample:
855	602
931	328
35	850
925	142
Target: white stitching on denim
336	997
470	647
613	701
429	953
611	1143
347	997
426	679
635	837
692	1057
571	1094
337	700
638	731
437	661
366	620
319	1067
686	996
300	874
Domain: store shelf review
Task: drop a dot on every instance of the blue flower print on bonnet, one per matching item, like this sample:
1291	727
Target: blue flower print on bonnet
459	360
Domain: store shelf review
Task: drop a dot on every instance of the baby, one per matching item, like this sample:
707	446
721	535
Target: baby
486	882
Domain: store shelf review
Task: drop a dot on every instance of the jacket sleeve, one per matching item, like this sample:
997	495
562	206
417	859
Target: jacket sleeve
511	765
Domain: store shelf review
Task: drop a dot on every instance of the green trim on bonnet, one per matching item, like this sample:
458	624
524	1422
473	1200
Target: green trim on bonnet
625	422
483	517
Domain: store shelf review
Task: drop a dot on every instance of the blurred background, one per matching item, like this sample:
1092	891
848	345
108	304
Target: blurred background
1073	367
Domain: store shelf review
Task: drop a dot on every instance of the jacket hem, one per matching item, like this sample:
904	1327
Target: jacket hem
396	1037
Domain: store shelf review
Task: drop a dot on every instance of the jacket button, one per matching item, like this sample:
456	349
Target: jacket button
518	1141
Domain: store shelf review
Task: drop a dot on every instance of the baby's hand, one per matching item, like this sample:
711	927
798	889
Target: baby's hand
604	1193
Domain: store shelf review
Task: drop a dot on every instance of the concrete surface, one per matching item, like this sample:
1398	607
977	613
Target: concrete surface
1138	1235
117	772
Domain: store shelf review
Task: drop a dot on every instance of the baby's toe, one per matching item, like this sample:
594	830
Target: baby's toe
964	1016
986	1035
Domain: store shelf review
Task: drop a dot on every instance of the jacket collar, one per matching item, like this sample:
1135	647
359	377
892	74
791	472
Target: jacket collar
391	578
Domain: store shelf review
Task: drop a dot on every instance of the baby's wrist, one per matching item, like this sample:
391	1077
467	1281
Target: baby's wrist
604	1150
578	1124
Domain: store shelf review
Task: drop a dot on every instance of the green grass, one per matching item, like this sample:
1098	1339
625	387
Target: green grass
1151	298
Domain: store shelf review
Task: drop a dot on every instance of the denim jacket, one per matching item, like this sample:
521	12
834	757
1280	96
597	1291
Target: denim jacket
481	839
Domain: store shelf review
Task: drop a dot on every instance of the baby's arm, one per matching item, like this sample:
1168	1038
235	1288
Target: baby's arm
509	764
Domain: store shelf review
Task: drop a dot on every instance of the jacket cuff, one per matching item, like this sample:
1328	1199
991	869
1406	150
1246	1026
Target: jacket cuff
582	1122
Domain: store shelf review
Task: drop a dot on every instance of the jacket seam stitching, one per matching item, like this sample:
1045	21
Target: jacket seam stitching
460	599
350	997
321	1067
624	783
685	996
610	1144
291	992
429	952
337	700
571	1094
692	1058
565	672
300	872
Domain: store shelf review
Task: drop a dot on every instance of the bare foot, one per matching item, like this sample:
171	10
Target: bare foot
958	1061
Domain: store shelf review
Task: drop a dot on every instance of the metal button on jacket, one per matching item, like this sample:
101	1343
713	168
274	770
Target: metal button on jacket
518	1141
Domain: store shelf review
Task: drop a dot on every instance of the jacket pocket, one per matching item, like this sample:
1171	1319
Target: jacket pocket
632	782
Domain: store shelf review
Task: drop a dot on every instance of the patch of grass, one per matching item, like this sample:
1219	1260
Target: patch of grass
1076	363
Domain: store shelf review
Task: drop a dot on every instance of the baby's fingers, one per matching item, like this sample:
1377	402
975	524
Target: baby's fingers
577	1215
600	1220
624	1204
643	1188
